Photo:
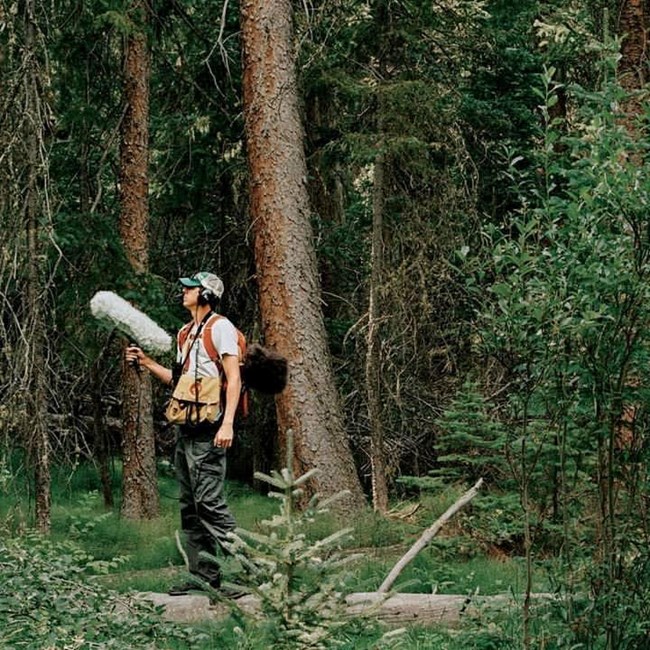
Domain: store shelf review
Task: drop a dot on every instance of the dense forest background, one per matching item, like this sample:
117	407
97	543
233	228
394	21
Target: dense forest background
478	215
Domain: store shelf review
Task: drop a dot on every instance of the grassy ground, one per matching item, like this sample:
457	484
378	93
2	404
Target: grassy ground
149	558
150	561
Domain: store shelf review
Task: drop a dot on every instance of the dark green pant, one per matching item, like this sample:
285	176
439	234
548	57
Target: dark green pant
205	518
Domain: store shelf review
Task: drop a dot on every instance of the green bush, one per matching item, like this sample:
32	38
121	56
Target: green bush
301	582
49	600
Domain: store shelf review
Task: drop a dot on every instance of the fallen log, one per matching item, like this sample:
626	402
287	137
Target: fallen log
401	609
395	610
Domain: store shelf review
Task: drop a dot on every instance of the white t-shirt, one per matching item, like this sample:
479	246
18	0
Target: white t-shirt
224	338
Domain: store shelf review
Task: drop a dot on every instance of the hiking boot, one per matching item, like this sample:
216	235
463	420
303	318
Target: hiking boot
232	591
219	592
184	589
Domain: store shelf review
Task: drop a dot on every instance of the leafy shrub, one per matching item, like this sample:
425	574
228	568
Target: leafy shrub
49	600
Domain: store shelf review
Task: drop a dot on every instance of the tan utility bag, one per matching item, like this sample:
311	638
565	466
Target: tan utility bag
195	400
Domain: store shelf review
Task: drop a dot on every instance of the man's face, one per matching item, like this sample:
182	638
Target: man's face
190	297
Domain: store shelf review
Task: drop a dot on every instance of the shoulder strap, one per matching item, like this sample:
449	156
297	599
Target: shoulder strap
208	343
183	333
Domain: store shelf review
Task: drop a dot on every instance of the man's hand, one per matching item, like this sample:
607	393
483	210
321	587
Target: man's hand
224	436
135	356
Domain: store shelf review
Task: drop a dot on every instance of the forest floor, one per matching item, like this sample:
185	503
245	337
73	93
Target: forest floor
143	558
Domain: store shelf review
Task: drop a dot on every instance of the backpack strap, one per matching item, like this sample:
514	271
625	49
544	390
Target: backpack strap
184	343
183	333
208	344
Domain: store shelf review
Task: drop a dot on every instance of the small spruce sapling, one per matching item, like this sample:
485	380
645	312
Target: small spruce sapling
300	583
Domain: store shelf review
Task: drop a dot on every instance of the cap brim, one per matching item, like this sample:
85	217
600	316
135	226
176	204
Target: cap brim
189	282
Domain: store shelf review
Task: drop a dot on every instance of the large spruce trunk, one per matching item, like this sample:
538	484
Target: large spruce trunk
290	296
140	491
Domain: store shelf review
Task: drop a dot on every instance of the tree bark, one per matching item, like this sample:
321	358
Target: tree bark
633	23
290	296
633	26
394	610
100	436
140	498
35	389
373	356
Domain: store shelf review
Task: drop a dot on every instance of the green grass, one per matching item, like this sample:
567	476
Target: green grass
150	561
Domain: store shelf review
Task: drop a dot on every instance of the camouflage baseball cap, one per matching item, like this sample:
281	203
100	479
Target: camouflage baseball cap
206	280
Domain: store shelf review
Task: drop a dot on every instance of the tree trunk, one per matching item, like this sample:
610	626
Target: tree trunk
373	356
290	296
396	610
632	26
100	436
35	389
632	66
140	492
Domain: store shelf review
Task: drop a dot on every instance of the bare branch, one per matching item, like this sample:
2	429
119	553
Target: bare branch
427	536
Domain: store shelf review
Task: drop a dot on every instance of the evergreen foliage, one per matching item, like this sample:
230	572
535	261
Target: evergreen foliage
473	444
566	319
301	582
391	87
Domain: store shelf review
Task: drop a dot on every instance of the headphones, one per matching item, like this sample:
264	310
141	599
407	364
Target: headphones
205	297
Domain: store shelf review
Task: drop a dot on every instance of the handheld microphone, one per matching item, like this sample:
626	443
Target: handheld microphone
109	307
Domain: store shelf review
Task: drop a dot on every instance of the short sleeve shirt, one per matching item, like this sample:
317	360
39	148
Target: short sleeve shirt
224	339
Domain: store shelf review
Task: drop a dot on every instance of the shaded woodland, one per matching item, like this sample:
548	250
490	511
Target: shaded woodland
437	211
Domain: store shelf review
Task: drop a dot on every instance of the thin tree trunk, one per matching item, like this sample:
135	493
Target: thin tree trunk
290	296
633	24
36	394
381	13
373	357
101	439
140	493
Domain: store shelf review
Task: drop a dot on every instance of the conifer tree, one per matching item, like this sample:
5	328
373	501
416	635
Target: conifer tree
300	582
289	288
139	481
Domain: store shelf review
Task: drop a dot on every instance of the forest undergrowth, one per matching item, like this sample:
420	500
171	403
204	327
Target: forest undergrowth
112	558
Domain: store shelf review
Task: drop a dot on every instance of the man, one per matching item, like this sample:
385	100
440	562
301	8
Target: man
200	455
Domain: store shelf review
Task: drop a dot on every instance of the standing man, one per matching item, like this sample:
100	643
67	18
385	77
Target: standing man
200	456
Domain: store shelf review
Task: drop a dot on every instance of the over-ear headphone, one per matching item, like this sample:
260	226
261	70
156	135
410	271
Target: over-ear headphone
204	296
